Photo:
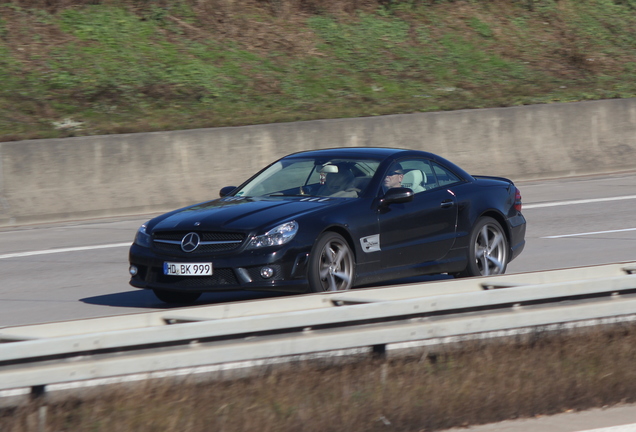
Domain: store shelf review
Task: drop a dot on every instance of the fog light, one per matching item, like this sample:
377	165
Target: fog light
267	272
132	270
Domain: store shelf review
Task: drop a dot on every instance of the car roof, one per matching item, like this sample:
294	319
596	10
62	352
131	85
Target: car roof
379	153
358	152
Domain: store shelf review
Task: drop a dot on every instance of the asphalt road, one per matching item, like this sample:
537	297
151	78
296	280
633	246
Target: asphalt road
79	270
620	418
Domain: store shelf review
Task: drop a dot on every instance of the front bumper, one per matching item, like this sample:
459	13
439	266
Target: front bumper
239	271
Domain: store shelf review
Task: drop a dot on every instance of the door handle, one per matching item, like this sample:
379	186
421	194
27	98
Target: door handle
447	203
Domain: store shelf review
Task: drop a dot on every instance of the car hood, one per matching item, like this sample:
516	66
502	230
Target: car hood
241	214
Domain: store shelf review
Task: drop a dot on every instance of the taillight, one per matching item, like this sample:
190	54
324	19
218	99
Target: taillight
517	200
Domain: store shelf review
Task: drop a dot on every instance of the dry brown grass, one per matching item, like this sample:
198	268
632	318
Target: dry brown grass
474	383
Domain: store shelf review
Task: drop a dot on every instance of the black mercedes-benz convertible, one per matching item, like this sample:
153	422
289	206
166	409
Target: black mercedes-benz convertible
330	220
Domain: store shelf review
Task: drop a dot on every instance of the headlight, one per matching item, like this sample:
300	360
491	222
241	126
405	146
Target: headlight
276	236
143	238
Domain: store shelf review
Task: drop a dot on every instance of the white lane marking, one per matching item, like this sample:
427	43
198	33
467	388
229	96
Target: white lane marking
62	250
589	233
621	428
583	201
525	206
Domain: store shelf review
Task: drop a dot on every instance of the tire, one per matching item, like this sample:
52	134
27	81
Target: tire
176	297
331	264
487	250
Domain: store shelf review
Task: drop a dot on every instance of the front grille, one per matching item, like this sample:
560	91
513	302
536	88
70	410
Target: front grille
235	239
205	235
202	249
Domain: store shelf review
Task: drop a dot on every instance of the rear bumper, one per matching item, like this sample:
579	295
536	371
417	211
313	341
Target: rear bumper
517	236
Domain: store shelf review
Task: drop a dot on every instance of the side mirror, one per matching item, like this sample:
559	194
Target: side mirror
397	195
226	190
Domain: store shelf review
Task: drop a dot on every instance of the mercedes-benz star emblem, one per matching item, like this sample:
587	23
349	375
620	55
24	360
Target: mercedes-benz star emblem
190	242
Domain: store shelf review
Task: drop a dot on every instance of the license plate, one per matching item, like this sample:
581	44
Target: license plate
187	269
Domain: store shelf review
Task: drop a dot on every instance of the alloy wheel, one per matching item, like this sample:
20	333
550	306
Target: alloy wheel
491	250
336	265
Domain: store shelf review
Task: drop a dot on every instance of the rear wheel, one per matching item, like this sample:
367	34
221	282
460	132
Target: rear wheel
331	264
176	297
487	250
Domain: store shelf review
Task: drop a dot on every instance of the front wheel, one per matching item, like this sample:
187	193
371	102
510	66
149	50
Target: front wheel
176	297
487	250
331	264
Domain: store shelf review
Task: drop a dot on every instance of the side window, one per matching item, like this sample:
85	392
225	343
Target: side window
444	176
417	174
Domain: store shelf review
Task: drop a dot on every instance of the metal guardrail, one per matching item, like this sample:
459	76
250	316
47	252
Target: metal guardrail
366	319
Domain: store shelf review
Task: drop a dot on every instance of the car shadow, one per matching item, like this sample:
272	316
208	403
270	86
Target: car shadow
146	299
411	280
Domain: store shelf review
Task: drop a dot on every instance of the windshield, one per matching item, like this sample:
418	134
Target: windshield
347	178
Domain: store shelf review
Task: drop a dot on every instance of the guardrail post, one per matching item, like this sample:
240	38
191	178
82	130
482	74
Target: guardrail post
38	391
379	350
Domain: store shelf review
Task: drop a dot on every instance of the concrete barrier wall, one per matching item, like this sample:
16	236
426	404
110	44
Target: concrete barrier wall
114	175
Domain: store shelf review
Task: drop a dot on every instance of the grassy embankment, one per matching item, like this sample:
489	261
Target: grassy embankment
87	67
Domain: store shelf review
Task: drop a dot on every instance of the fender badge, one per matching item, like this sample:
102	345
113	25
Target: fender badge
370	243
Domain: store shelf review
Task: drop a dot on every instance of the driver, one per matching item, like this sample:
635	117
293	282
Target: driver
394	177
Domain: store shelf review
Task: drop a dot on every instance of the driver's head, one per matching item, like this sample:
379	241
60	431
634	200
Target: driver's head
394	177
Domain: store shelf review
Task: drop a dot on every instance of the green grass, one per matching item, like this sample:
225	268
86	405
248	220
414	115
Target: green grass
89	68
